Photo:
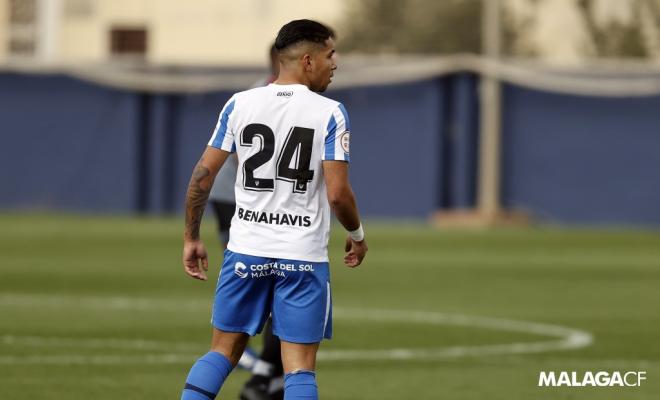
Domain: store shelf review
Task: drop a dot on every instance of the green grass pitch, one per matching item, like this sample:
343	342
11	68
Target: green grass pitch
99	308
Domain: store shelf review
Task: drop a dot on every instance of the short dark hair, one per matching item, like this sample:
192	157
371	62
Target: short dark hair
302	30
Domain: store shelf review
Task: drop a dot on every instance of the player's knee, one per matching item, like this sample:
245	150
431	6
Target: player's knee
229	344
297	356
232	353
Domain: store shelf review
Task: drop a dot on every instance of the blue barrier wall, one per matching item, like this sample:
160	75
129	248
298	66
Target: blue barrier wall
66	144
71	145
395	144
580	159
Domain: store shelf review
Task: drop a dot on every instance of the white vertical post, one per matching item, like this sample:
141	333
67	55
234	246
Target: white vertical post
488	201
49	13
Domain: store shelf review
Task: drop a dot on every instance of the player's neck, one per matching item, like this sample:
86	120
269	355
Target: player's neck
291	79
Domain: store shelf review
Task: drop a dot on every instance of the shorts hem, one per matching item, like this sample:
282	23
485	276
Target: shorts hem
234	329
300	339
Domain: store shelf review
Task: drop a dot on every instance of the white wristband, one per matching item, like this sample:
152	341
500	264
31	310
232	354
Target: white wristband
357	235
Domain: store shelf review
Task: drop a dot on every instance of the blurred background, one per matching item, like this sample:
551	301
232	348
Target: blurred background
536	121
517	109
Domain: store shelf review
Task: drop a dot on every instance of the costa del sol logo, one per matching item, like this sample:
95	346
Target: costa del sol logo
240	270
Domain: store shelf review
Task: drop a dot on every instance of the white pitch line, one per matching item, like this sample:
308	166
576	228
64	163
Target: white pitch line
564	338
118	303
97	343
99	359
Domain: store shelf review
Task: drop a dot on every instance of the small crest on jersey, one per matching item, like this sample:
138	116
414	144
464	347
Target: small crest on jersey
345	141
287	93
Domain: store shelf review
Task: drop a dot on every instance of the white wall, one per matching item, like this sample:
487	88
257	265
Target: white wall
219	31
200	32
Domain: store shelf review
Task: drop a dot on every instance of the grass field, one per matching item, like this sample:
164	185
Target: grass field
99	308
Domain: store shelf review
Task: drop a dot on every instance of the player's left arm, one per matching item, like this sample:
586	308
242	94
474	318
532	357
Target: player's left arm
195	257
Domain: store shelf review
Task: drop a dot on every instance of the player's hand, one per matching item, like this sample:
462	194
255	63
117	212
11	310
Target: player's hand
195	259
355	252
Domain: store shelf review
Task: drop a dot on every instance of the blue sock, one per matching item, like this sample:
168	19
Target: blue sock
301	385
206	377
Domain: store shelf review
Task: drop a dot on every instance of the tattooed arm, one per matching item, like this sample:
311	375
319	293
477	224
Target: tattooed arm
195	258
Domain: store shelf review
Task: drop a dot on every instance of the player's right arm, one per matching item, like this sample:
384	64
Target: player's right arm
343	204
195	257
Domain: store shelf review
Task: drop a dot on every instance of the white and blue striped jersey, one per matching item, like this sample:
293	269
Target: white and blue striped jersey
281	134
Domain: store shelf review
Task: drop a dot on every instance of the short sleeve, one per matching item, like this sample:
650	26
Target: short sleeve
338	136
223	135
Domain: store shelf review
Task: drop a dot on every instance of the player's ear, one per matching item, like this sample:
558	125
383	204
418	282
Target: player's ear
307	61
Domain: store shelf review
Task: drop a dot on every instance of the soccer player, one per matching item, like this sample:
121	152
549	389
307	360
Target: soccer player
293	152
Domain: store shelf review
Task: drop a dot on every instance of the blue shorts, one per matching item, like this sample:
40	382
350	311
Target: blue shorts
296	293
